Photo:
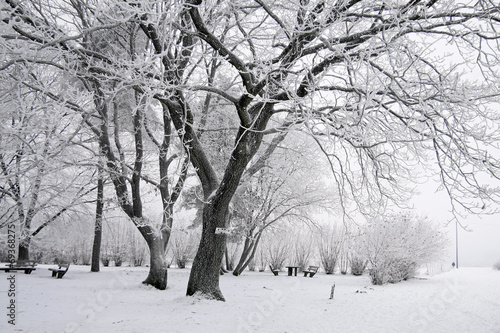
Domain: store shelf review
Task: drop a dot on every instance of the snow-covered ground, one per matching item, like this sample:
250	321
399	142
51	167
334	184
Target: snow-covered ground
114	300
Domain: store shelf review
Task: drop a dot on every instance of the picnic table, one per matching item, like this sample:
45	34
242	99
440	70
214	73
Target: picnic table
292	269
21	265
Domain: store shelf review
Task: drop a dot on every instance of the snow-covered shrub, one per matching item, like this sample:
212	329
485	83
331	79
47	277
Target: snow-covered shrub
232	252
252	265
138	250
116	241
118	259
497	265
392	271
343	261
330	245
261	259
358	265
105	260
303	250
396	246
183	244
346	251
278	249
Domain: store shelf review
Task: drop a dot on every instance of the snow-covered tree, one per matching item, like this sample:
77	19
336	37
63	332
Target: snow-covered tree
288	189
124	121
396	246
40	178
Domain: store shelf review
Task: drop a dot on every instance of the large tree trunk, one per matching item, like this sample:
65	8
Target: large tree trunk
157	276
205	272
24	248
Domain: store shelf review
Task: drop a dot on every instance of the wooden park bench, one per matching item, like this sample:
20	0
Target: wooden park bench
274	270
60	270
311	270
21	265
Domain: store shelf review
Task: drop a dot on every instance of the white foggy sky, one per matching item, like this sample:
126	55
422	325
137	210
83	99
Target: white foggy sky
478	247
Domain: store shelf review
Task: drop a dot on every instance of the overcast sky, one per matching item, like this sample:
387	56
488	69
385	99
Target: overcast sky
478	247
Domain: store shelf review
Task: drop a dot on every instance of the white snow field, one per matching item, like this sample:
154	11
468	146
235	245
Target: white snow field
114	300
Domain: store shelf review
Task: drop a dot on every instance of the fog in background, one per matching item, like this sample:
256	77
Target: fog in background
478	239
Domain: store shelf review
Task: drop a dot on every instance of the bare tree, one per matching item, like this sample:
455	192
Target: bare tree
116	113
39	181
284	191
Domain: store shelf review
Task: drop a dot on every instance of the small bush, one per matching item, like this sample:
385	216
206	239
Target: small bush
183	245
497	265
261	259
278	250
105	261
330	246
252	265
118	261
329	264
397	245
378	276
392	271
303	251
358	265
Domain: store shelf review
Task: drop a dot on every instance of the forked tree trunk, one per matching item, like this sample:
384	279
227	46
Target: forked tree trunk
247	255
204	277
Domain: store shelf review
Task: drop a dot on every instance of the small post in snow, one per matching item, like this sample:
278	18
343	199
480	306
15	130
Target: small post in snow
332	291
